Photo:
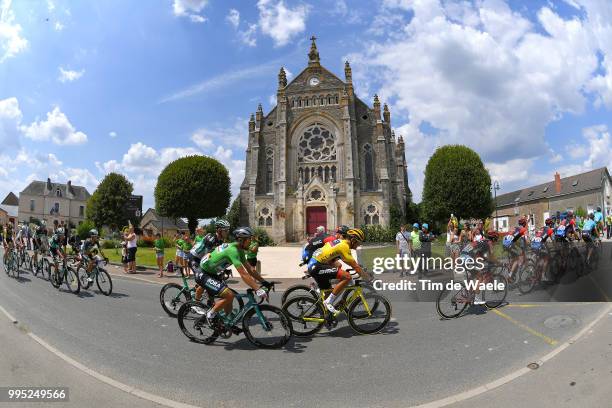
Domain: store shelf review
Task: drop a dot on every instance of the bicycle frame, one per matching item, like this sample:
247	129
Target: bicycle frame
252	303
357	293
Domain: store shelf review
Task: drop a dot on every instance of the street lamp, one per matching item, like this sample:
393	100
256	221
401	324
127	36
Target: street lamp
495	188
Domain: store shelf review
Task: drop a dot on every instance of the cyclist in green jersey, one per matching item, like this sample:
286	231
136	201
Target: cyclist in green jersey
251	253
221	258
56	247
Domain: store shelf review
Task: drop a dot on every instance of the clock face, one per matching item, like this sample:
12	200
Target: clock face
314	81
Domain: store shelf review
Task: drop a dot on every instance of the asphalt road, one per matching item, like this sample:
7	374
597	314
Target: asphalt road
418	358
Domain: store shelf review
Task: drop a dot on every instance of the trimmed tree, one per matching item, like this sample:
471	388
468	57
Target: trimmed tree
456	182
106	206
193	187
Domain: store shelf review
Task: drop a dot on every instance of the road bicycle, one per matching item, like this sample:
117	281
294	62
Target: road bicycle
308	314
264	325
102	278
65	274
11	264
592	263
172	295
24	259
452	302
42	266
314	291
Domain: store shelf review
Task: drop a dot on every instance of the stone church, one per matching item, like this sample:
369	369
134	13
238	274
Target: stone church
321	157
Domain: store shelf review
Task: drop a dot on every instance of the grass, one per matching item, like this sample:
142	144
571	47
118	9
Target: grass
144	256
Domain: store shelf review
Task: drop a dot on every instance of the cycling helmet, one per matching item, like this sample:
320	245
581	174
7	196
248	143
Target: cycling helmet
415	225
549	221
222	224
591	216
243	232
357	234
426	226
59	231
598	209
522	221
93	233
570	213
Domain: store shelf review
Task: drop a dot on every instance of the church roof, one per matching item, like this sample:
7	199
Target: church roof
10	199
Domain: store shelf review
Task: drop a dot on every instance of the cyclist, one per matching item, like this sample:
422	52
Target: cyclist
56	247
319	240
539	244
517	247
8	240
205	246
221	258
325	265
89	247
589	234
20	238
571	228
40	242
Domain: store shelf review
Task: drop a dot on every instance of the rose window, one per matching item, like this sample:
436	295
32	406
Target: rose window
317	144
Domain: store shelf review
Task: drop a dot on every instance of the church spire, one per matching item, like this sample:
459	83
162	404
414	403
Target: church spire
386	114
282	78
313	55
348	74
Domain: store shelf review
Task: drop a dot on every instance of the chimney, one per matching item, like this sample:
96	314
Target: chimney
49	187
557	183
69	187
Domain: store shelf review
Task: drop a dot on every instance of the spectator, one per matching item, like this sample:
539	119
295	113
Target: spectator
426	238
131	239
415	243
609	222
402	243
320	230
178	240
455	246
159	254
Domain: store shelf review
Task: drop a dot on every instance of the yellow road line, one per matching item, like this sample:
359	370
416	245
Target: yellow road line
528	329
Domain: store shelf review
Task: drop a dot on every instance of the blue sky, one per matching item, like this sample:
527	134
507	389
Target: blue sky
92	87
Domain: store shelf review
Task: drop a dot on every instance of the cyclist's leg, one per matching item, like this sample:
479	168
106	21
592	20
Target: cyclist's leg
216	288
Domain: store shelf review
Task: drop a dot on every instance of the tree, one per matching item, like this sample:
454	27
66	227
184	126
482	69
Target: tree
233	215
106	205
456	182
193	187
84	228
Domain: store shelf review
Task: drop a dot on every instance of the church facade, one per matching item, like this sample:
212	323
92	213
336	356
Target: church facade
321	156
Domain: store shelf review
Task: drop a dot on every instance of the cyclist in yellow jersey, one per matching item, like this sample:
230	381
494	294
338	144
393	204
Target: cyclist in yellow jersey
325	265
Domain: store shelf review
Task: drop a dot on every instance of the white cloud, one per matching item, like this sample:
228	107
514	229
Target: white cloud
50	5
247	37
56	128
272	100
11	41
280	22
58	26
112	134
235	135
233	17
600	147
190	9
219	81
483	75
67	75
10	123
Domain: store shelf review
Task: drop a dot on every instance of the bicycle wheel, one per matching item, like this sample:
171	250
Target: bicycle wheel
527	278
300	307
104	282
84	278
56	278
366	289
267	327
46	269
495	297
451	303
296	290
194	325
72	280
172	296
364	322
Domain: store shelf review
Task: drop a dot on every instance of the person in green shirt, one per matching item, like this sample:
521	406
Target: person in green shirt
186	246
159	254
251	253
222	257
178	241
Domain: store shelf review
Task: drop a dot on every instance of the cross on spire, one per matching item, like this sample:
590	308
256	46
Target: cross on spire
313	55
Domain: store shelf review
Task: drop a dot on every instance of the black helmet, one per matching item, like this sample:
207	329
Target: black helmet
342	230
243	232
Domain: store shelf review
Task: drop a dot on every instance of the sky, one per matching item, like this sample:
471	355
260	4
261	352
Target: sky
87	88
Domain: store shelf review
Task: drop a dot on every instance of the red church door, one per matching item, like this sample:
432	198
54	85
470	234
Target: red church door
315	216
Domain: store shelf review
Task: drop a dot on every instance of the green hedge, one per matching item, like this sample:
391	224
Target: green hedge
378	233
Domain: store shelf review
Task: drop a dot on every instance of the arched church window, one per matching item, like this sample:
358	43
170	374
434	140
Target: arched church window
336	99
321	101
269	169
329	99
368	160
333	173
317	144
327	174
264	217
371	215
320	172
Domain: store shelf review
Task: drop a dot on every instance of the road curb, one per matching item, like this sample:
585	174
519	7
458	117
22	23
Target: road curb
443	402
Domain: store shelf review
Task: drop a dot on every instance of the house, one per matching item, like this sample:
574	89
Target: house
548	200
152	223
9	209
50	202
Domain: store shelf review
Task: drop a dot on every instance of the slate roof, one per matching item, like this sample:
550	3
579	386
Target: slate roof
591	180
167	222
37	188
10	199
